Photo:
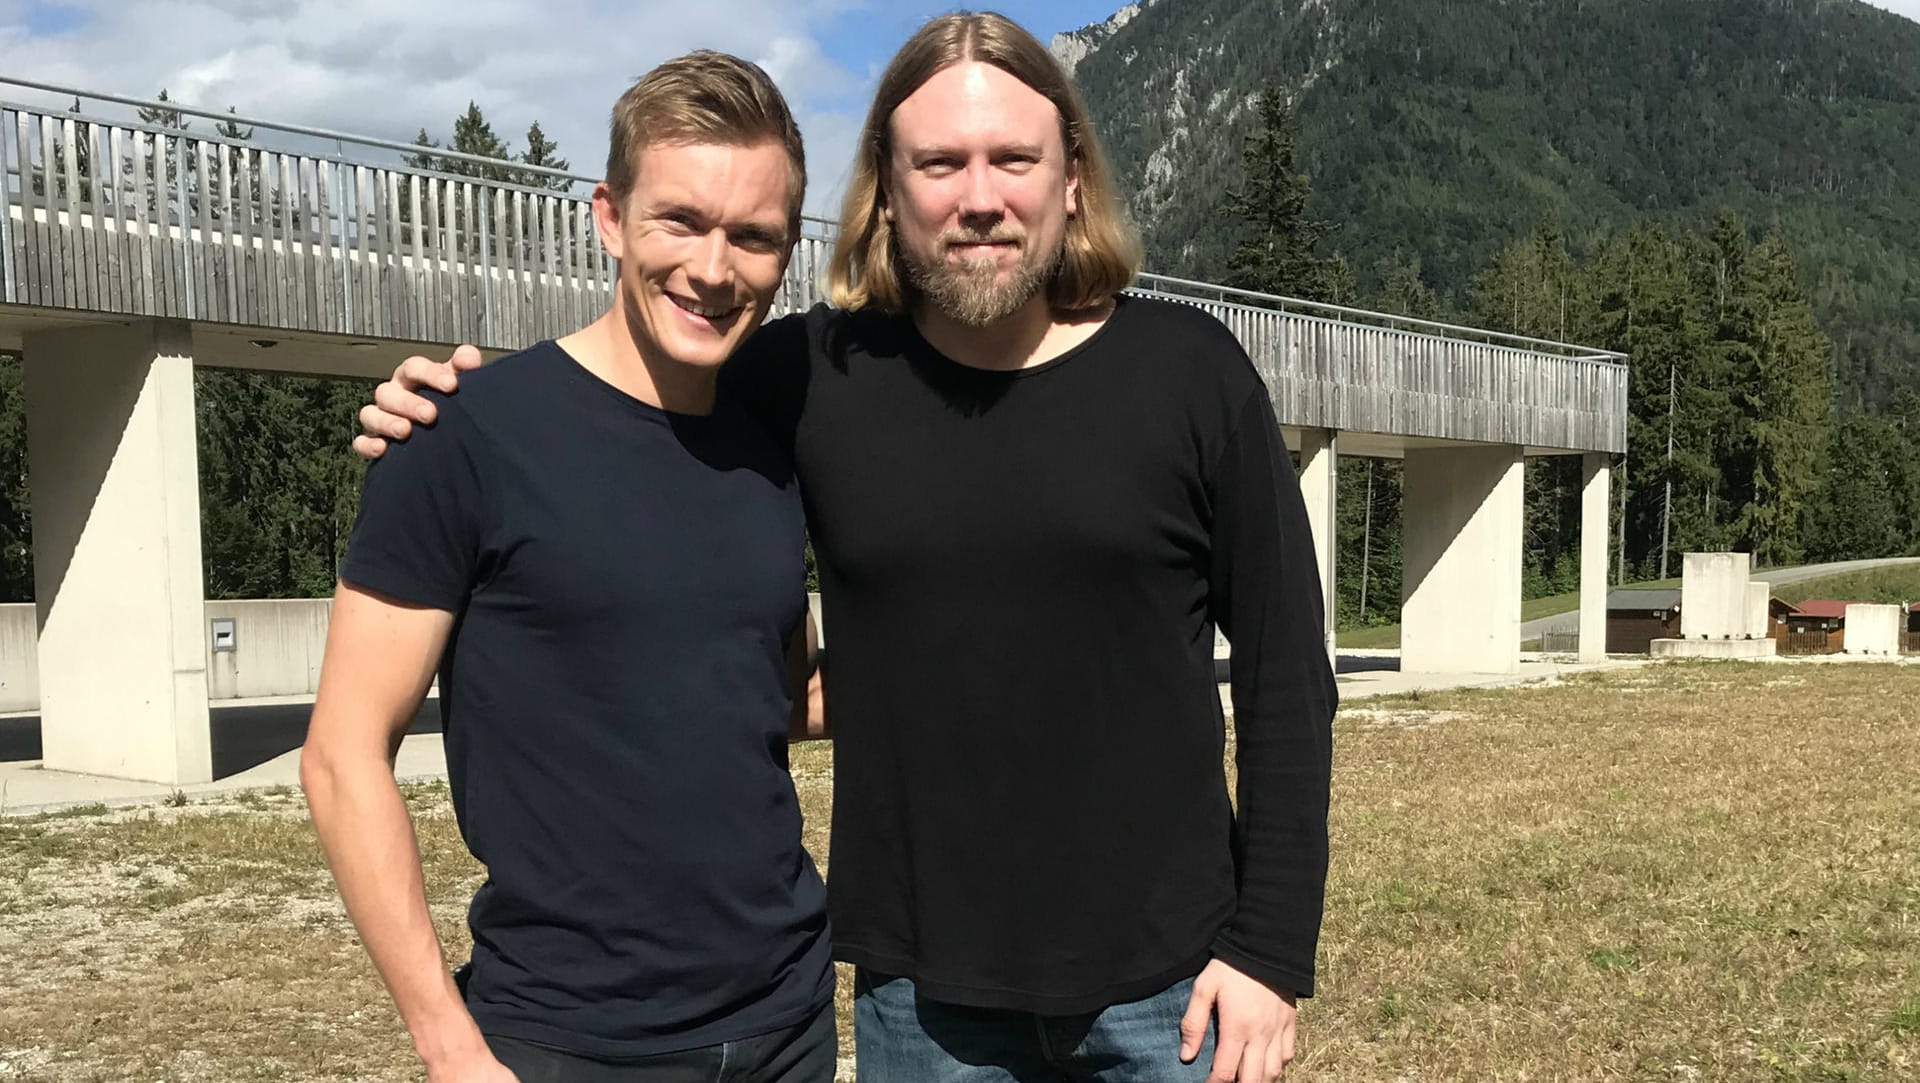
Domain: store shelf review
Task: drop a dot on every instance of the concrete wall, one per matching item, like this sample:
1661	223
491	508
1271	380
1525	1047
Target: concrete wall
279	646
19	658
1713	595
1873	629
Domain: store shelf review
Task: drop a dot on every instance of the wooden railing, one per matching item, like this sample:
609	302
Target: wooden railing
128	218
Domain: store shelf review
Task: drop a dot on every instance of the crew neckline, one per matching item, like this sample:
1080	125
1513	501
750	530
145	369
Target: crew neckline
638	405
1120	303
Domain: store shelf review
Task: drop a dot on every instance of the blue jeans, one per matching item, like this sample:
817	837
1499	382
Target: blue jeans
899	1037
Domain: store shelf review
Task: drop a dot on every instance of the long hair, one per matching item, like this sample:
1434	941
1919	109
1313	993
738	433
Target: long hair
1102	250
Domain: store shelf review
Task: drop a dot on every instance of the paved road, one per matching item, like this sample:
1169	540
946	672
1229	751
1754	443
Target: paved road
1570	621
243	735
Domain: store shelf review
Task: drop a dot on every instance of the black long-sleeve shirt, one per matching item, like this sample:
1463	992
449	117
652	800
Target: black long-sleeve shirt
1022	572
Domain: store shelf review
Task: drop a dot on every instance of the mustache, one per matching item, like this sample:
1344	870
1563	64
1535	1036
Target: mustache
998	235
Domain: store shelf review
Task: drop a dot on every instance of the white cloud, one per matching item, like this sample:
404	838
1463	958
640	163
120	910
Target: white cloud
384	69
1909	8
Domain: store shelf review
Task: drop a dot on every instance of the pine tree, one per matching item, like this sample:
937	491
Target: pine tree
1277	251
1781	369
163	183
242	175
472	134
1857	511
82	151
542	151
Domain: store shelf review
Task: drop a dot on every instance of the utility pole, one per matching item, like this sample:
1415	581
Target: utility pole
1366	542
1666	507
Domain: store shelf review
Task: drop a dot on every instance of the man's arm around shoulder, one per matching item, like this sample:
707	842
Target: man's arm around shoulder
381	655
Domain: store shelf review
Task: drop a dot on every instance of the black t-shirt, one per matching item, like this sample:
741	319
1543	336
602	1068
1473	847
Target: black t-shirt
1021	575
615	699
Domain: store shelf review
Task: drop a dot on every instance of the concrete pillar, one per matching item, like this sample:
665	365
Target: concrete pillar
1595	497
1319	484
1463	513
116	543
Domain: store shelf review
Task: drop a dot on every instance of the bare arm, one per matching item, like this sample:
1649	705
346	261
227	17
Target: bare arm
380	657
809	719
397	406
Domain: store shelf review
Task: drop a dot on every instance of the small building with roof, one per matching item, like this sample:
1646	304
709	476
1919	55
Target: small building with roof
1637	616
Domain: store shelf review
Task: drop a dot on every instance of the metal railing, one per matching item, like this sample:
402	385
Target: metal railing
354	239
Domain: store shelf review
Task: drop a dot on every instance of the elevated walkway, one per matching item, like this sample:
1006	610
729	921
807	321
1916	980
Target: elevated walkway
131	253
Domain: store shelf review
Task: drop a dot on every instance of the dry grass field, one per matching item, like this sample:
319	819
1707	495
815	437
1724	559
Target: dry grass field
1688	872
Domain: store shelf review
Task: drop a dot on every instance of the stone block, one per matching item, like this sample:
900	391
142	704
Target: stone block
1874	629
1728	649
1713	595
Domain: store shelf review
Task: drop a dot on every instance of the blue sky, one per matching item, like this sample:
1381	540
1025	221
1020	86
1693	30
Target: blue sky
388	69
380	68
864	40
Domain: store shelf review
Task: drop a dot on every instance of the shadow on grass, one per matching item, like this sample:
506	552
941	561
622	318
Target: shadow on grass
243	736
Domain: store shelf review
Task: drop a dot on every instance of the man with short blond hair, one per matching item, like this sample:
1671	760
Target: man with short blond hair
1033	499
606	574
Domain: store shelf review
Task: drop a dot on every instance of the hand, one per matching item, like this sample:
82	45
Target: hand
478	1067
1256	1026
396	406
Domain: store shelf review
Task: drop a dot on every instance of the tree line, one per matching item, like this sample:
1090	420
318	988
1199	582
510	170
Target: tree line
1735	441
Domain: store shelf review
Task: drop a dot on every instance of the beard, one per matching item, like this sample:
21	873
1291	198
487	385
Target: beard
971	291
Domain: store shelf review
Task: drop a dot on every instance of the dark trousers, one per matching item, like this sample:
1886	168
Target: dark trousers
807	1053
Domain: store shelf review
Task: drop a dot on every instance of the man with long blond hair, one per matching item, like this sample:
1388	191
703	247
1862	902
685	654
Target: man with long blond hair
604	530
1033	498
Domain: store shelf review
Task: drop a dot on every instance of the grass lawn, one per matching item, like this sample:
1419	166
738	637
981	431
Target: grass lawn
1647	874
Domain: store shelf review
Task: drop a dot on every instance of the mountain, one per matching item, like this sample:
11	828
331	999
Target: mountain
1436	132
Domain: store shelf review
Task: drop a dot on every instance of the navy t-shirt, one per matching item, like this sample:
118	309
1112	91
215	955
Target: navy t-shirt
615	699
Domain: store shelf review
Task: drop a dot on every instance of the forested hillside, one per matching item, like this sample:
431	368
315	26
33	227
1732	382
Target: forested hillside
1726	190
1436	132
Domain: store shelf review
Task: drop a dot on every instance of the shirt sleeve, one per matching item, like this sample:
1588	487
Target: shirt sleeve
423	510
1266	598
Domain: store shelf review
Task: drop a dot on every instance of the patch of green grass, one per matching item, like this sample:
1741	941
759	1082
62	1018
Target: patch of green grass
1611	959
1906	1018
74	812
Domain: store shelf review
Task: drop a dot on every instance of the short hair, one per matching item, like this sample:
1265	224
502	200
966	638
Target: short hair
705	97
1102	249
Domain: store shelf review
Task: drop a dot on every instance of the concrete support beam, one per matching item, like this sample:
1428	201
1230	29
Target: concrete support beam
1595	498
1464	510
1319	484
117	576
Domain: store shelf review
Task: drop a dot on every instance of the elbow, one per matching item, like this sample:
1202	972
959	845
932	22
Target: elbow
322	770
316	772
